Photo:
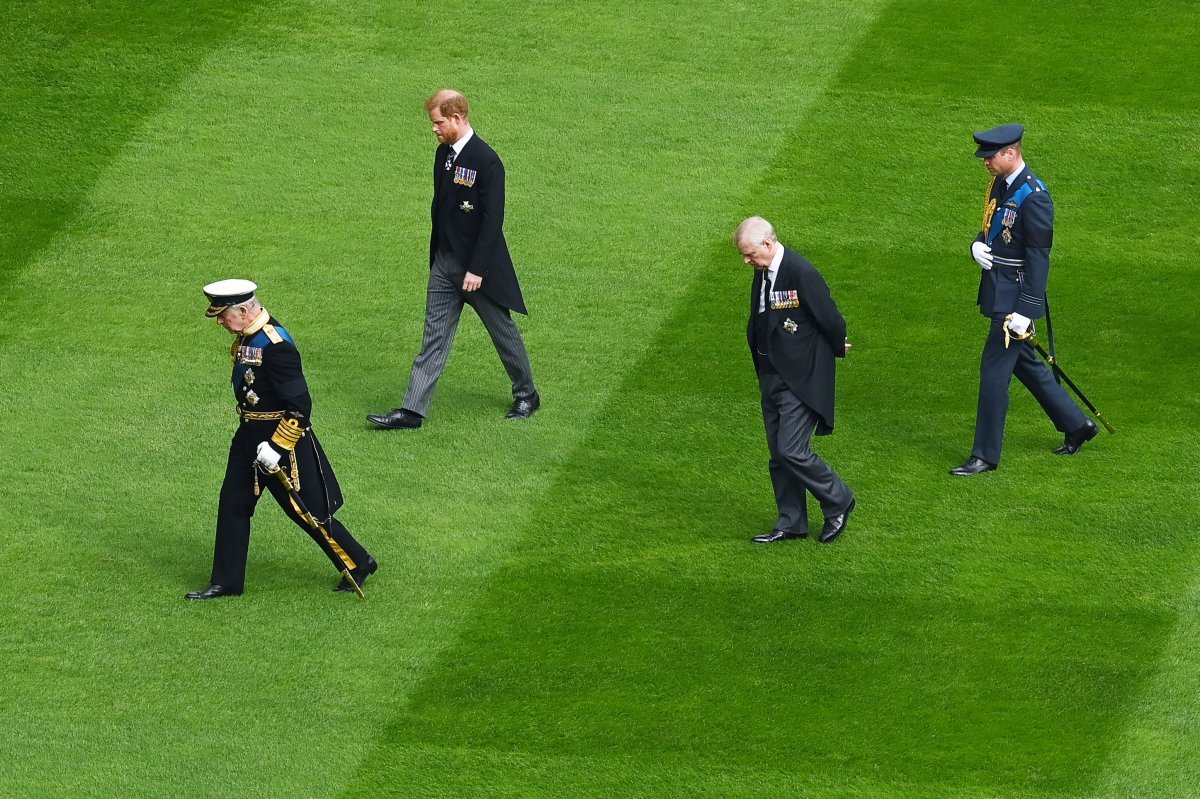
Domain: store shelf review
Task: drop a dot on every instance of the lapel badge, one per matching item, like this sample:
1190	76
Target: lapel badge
1007	236
249	378
466	207
789	325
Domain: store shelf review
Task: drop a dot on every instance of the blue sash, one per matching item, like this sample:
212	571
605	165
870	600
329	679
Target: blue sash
1010	207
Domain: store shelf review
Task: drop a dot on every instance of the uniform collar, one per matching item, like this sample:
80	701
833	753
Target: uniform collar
1020	168
258	323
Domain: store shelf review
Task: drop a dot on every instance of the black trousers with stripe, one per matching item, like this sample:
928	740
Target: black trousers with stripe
996	370
238	502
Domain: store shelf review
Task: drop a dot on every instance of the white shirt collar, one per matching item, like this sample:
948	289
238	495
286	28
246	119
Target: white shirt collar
462	142
1020	168
776	260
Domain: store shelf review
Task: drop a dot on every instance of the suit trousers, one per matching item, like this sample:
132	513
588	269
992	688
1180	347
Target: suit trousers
996	370
238	502
794	467
443	309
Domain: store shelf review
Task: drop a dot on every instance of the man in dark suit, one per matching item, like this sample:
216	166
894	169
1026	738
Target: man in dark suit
795	332
469	263
1013	249
275	432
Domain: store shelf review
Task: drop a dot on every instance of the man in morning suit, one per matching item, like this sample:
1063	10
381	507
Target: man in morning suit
469	263
1013	249
795	332
274	432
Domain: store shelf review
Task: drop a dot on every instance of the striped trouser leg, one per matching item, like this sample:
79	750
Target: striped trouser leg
443	308
508	342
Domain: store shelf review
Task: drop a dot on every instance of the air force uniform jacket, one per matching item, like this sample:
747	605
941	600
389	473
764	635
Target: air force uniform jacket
1019	227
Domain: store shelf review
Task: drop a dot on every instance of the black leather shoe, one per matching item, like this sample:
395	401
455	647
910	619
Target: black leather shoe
777	535
213	591
836	525
1077	438
396	419
524	408
973	466
360	576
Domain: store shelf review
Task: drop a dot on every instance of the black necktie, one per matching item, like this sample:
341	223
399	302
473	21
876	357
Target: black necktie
760	317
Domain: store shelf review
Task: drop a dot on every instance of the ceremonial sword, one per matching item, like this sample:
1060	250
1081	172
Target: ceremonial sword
318	527
1052	362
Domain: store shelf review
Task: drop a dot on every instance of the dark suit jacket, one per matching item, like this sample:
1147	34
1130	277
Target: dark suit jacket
802	342
468	211
1005	289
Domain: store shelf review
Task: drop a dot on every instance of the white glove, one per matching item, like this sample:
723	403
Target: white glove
267	458
1016	323
982	254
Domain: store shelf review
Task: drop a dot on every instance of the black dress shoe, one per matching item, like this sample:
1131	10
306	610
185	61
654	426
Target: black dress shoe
973	466
214	591
360	575
396	419
1077	438
777	535
524	408
836	525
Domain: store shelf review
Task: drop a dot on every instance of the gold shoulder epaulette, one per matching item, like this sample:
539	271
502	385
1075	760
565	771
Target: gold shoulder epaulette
272	334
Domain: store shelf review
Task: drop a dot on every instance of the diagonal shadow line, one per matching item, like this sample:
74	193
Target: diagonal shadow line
659	388
662	390
78	87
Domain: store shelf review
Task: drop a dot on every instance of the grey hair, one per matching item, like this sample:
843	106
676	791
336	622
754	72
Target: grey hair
251	305
754	230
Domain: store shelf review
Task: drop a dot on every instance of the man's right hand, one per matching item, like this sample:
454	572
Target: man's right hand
982	254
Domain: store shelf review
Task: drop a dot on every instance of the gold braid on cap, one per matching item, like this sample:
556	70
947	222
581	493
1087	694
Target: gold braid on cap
288	434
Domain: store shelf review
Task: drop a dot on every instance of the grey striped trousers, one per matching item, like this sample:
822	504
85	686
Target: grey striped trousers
443	307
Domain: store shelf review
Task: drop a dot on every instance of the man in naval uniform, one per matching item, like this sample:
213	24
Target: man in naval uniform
795	333
274	432
469	264
1013	249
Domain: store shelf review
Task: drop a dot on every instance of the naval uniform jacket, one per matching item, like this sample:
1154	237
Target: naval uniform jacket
468	217
269	385
1021	259
805	333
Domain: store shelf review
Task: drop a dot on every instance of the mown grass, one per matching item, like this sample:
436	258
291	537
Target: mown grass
569	607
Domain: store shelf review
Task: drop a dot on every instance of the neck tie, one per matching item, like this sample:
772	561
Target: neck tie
760	318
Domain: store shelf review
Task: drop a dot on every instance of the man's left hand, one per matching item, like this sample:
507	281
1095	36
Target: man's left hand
1018	324
267	458
472	282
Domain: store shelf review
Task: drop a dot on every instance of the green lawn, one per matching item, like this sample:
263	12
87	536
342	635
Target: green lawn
570	607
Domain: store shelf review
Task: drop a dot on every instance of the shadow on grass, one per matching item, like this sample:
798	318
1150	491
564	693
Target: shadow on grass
635	622
78	84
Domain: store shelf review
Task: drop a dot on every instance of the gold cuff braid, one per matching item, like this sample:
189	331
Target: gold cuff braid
288	434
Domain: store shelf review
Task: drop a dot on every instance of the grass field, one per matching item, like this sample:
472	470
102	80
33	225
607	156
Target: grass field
570	607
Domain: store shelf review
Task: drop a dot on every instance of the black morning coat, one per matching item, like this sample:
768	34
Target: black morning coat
802	341
468	210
